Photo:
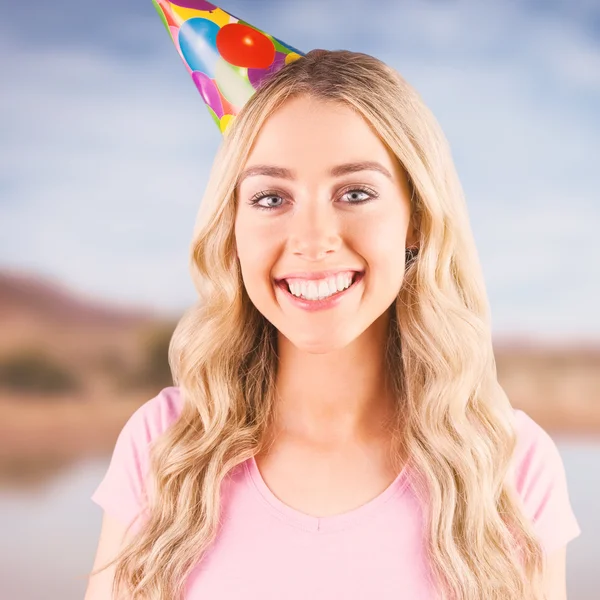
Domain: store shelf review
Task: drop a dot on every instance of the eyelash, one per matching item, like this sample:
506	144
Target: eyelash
255	199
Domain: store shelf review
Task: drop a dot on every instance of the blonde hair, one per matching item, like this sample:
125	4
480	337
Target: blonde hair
454	420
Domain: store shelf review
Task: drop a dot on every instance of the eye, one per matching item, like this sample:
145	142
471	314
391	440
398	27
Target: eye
356	190
254	201
361	190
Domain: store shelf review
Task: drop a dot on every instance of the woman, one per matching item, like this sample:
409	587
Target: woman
353	446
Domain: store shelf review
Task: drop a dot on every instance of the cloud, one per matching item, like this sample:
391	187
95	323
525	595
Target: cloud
105	153
104	162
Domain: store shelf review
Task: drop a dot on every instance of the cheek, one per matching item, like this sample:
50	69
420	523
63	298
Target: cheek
256	256
382	242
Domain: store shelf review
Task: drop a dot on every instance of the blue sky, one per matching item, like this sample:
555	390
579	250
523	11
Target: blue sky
105	144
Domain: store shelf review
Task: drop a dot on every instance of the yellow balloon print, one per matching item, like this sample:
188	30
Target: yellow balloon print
226	120
291	57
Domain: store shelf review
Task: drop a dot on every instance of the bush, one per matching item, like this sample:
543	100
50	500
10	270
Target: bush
31	371
156	371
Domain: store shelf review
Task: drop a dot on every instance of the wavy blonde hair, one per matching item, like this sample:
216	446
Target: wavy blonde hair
454	420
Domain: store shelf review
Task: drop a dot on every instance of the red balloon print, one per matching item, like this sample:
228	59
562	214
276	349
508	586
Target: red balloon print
166	10
228	108
244	46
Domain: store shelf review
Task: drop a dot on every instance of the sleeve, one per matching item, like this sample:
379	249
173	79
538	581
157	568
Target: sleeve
122	491
542	485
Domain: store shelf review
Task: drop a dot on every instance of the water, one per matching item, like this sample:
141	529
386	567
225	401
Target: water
49	534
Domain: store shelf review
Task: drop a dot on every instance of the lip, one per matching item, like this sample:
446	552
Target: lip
325	303
316	275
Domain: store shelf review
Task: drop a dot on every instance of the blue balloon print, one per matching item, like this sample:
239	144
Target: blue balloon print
198	43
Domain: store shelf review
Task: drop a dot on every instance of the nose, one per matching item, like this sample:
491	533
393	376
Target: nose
314	230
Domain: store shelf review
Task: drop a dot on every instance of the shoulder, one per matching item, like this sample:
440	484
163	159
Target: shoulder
535	451
540	480
156	415
147	423
122	491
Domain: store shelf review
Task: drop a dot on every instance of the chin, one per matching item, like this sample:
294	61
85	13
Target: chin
319	342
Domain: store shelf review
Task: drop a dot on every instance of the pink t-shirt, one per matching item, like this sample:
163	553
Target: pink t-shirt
268	550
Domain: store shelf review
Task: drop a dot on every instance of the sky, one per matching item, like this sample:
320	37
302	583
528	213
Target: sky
105	144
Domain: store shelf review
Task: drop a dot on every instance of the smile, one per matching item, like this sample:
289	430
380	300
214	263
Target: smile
326	302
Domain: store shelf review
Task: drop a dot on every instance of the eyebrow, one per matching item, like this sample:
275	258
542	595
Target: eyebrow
337	171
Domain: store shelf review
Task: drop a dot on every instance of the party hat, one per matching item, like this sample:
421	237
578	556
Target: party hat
227	58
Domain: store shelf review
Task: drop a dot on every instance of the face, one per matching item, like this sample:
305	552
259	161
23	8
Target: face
306	206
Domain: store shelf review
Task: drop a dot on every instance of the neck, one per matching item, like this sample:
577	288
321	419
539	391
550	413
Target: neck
339	397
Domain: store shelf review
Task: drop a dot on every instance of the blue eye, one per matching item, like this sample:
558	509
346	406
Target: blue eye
360	191
272	194
256	199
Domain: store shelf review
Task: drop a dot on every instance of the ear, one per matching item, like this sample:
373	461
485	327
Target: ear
412	233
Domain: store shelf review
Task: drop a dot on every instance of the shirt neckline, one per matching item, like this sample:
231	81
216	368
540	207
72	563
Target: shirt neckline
330	522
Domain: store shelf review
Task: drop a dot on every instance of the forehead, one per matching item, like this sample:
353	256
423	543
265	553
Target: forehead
311	136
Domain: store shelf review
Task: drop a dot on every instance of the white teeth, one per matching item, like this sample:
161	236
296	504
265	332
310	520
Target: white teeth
332	286
322	288
312	290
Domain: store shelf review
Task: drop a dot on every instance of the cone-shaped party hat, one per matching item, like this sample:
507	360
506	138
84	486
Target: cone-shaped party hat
227	58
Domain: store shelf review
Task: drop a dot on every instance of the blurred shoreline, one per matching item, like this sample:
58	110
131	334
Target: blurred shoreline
40	436
72	372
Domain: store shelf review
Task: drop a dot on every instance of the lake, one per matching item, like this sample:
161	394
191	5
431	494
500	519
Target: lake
49	534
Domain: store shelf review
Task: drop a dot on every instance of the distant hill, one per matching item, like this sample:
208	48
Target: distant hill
50	333
31	297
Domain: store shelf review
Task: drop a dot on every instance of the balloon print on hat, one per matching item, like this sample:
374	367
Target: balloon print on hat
244	46
195	4
227	58
162	15
209	91
198	42
256	76
233	83
182	13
